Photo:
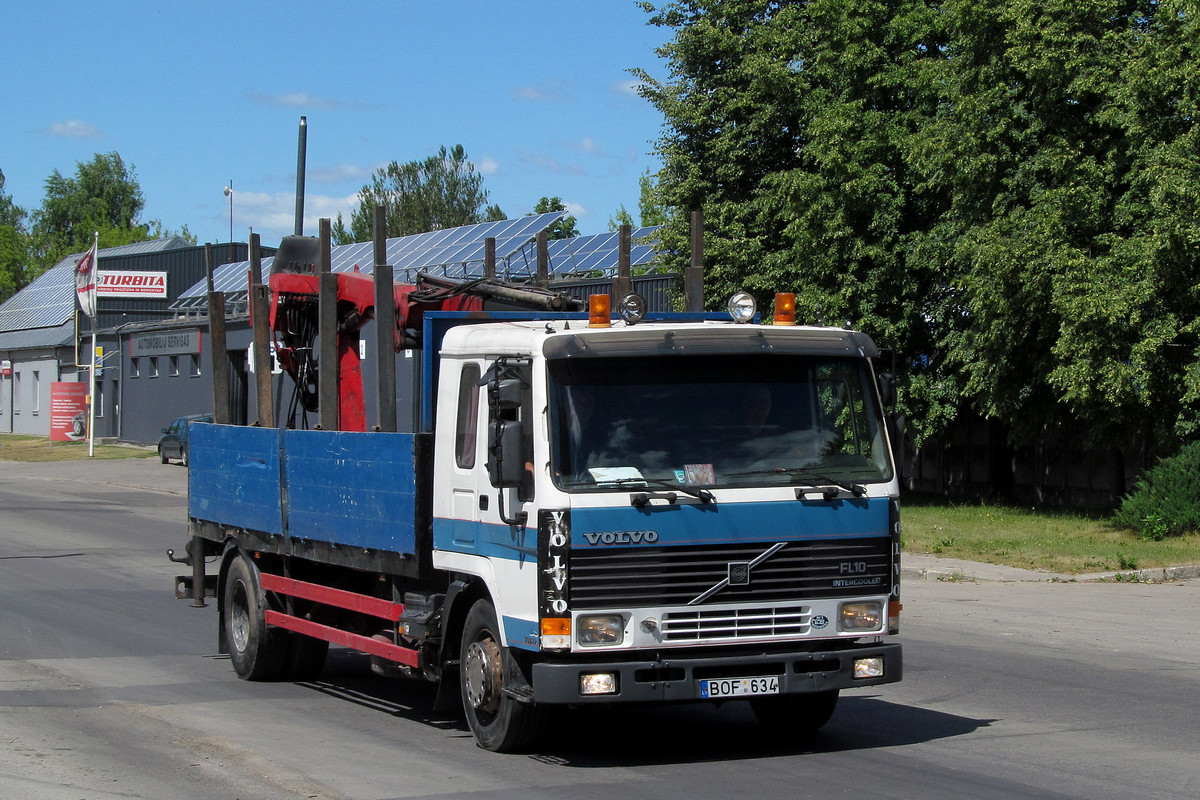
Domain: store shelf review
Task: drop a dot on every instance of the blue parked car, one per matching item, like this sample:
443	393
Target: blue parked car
174	441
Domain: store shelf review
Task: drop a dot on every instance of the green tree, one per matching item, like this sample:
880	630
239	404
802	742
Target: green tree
442	191
103	196
14	245
650	210
565	227
788	125
1005	191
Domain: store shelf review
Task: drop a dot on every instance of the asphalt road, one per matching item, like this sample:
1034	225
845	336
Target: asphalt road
110	688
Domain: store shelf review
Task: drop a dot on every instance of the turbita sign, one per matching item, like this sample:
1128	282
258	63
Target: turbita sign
131	284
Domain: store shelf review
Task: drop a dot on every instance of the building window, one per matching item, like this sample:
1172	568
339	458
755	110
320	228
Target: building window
133	368
36	405
16	392
153	367
174	366
99	399
195	365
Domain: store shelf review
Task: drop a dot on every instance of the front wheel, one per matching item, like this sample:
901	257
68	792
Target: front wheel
498	721
257	650
795	713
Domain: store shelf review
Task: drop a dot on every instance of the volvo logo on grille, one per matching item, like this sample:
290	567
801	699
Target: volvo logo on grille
738	573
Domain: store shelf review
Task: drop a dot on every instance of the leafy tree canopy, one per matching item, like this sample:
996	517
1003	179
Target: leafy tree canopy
14	244
442	191
650	209
1005	192
565	227
103	195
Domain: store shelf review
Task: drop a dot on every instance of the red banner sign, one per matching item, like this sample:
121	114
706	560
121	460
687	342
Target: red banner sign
68	411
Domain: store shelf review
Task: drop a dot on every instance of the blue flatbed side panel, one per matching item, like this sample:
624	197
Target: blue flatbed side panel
233	476
353	489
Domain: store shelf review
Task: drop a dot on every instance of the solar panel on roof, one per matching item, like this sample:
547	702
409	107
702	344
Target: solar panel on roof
458	253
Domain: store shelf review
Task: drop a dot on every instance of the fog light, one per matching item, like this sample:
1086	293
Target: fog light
862	616
868	667
598	683
601	629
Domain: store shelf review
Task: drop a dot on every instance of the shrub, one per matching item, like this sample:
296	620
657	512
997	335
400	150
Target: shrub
1166	502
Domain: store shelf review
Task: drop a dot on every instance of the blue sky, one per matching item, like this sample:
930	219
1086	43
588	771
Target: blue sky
197	94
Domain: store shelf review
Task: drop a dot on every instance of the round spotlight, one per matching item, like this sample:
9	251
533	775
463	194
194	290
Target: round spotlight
632	308
742	307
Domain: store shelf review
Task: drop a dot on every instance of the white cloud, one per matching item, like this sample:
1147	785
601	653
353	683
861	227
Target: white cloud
550	164
297	100
549	92
73	129
589	146
342	172
629	87
273	214
488	166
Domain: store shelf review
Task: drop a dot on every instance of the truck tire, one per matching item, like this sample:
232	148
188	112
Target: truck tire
793	714
499	722
257	651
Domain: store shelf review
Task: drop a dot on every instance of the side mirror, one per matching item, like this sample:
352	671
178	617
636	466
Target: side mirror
504	437
887	389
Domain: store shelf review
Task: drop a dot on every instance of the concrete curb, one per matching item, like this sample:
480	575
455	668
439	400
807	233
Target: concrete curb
930	568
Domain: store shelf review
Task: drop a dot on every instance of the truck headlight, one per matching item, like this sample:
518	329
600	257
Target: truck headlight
600	629
861	616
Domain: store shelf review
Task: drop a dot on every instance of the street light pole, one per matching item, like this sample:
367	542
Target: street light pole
229	194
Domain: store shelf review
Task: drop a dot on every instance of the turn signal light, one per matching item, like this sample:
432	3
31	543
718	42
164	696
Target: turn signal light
599	311
785	308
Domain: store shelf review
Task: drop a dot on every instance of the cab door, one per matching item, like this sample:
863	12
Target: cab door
468	482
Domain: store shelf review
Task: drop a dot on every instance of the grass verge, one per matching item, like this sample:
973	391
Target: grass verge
15	447
1058	541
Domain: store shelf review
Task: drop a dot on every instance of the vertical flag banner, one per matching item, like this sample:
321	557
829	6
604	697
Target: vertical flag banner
85	281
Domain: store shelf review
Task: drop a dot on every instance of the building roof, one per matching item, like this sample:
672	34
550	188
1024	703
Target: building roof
39	310
457	253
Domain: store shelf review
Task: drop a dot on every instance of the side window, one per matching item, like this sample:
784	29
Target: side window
467	431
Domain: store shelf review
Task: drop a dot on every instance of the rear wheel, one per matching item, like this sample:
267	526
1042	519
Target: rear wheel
183	455
162	456
257	651
498	721
793	714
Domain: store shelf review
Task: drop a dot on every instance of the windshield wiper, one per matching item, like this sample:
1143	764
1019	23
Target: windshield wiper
703	495
822	482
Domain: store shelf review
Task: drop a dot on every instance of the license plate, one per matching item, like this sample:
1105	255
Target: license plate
739	687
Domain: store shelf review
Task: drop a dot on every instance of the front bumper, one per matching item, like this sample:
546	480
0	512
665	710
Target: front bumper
671	680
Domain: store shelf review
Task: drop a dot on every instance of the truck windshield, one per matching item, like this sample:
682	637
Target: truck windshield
720	421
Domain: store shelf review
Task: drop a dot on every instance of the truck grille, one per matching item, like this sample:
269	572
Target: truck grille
746	623
674	576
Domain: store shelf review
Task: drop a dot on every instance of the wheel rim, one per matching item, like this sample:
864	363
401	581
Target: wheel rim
483	675
239	618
